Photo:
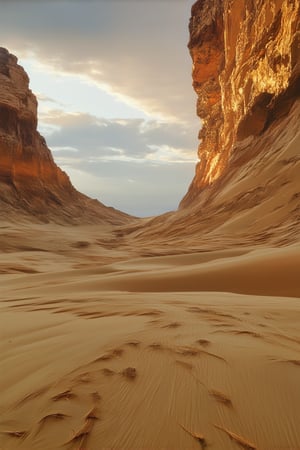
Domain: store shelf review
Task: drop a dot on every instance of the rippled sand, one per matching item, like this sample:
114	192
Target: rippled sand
103	348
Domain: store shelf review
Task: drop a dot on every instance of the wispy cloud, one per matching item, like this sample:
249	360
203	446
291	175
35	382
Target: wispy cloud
123	139
142	167
136	50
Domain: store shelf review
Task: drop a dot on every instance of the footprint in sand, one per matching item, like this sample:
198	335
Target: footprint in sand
32	396
50	418
65	395
156	346
129	373
133	343
172	325
81	436
117	352
203	342
221	397
16	434
83	378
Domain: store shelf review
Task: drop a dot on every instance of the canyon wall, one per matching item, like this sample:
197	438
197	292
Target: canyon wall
246	190
30	181
246	70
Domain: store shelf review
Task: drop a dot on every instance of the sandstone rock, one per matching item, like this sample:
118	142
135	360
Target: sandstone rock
246	70
30	181
246	189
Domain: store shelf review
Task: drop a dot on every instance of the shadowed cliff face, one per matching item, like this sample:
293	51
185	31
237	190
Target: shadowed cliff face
30	181
25	158
245	72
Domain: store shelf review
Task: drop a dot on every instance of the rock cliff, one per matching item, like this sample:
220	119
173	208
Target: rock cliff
246	72
30	181
246	66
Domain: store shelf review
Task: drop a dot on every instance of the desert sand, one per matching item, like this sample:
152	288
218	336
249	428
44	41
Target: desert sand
104	346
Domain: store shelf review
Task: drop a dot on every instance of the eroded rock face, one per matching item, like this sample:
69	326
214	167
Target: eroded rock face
246	70
30	181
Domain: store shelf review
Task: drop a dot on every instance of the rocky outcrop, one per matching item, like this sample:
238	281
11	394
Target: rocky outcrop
246	190
246	66
30	181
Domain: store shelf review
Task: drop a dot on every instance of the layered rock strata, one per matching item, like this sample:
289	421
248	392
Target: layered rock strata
246	66
30	181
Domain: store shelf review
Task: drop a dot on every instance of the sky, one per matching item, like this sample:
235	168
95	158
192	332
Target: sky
116	103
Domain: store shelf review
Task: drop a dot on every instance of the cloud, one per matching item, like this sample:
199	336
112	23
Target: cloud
112	139
135	49
141	167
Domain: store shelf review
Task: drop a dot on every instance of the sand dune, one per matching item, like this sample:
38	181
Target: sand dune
99	351
176	332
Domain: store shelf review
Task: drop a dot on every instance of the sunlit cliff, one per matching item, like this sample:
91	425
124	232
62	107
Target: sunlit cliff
245	72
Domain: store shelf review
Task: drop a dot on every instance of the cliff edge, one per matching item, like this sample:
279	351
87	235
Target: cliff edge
31	184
